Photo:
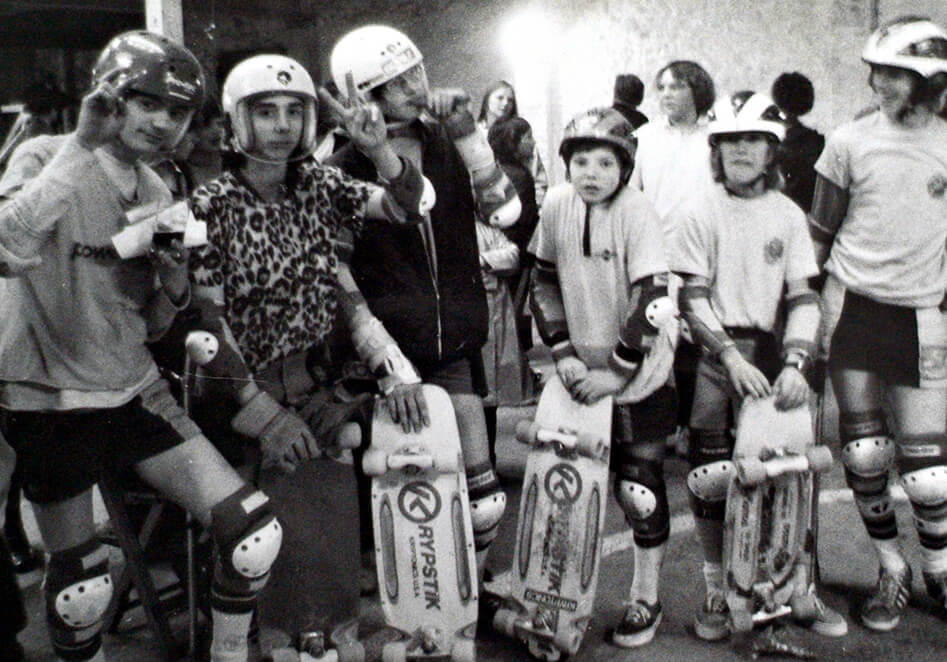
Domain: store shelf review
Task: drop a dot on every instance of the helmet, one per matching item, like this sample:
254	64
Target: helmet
746	113
915	44
374	54
268	74
602	124
155	65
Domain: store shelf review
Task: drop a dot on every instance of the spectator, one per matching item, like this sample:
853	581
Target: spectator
629	92
794	95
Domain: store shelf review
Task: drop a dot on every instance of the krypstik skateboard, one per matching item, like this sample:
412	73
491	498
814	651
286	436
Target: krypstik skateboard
769	541
561	516
423	534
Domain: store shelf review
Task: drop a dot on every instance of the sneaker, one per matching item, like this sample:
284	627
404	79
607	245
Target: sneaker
639	624
882	611
828	622
711	621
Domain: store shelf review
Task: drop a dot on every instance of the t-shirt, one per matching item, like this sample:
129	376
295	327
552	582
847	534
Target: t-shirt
626	245
748	248
890	245
671	166
276	263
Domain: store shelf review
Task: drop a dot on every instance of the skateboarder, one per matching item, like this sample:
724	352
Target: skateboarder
268	277
613	329
423	284
738	245
81	392
878	221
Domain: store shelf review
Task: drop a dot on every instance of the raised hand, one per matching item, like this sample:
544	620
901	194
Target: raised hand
103	109
363	121
444	100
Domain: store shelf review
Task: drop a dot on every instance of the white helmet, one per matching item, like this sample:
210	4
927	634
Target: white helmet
745	113
268	74
915	44
374	54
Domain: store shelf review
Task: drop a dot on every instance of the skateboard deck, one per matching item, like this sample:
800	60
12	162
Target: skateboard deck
423	534
559	531
769	538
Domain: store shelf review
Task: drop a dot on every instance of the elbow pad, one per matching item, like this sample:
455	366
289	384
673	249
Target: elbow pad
653	310
546	304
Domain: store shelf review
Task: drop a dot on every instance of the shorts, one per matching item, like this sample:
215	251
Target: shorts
649	420
902	346
63	454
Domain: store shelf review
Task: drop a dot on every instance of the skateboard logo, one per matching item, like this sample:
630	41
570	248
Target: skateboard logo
563	484
419	502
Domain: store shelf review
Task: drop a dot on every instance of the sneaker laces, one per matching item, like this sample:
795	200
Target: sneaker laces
716	603
892	590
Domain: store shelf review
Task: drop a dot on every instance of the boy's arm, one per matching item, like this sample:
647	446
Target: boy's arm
499	255
829	206
708	332
494	193
285	439
548	310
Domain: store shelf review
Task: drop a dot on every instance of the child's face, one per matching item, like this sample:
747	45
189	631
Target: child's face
277	121
152	125
677	100
405	97
595	173
892	87
744	157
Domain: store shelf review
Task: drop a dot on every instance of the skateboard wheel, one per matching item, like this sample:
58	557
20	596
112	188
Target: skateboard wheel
820	458
751	471
394	651
741	621
464	650
590	445
526	432
350	436
374	462
504	621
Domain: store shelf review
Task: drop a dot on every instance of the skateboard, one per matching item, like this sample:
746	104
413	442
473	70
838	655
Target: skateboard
423	534
548	605
769	534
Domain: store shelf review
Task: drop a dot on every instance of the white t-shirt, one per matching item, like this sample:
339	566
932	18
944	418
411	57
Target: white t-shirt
626	245
748	248
890	246
672	165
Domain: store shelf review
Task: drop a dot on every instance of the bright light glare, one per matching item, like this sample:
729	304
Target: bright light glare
528	34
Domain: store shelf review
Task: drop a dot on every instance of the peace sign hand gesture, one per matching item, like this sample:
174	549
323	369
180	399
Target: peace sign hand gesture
103	109
363	122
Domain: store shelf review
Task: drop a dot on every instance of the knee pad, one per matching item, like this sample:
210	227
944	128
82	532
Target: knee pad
642	496
708	485
709	446
487	504
248	538
78	590
924	478
867	455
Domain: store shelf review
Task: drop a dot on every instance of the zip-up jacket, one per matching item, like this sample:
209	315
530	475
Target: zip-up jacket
435	316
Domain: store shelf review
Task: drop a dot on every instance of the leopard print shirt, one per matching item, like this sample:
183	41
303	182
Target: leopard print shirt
277	263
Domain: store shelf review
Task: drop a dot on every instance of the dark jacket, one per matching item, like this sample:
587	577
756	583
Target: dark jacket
435	320
797	154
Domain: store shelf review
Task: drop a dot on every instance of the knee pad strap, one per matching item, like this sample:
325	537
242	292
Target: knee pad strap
709	446
78	590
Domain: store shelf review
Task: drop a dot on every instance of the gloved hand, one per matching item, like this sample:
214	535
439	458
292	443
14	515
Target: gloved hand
285	439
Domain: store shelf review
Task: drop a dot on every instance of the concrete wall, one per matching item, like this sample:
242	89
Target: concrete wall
565	57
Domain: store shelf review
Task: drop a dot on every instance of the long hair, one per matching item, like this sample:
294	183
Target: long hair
514	111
